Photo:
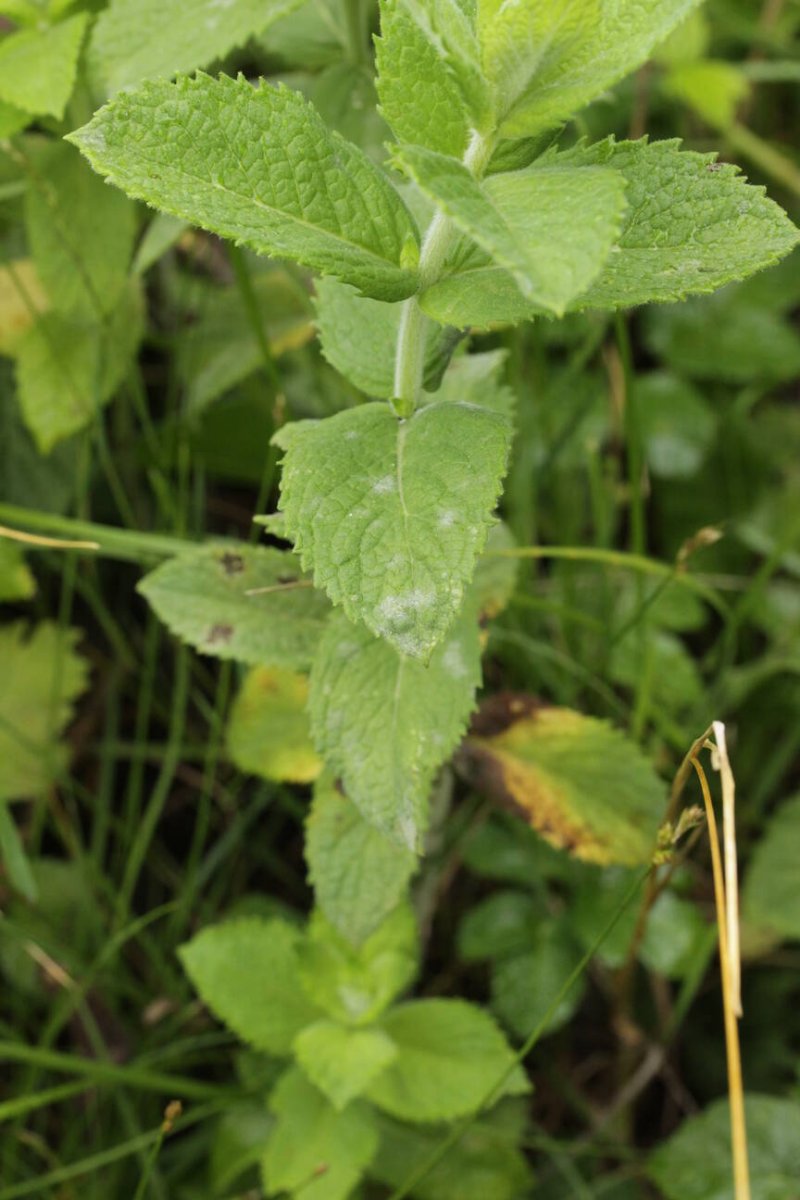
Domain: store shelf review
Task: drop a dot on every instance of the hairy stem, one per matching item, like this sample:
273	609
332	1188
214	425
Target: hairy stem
414	325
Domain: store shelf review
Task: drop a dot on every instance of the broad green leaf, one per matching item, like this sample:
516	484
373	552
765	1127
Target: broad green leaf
221	347
478	379
696	1162
12	119
524	985
80	234
581	783
38	66
358	874
22	299
485	1163
41	679
26	477
506	849
69	367
597	895
691	225
354	985
547	60
552	228
314	1151
715	90
16	579
501	925
246	163
770	898
247	971
676	937
135	40
390	515
344	96
342	1062
450	1056
496	573
348	322
385	723
203	597
677	425
418	88
237	1144
268	731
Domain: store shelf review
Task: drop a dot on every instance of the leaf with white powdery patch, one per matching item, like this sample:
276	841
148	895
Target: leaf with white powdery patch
258	165
391	515
385	722
203	597
357	873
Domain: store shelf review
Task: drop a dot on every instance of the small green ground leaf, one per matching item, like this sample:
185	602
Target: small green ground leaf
268	731
80	234
391	515
314	1151
69	367
342	1062
524	985
22	299
247	971
677	424
347	322
202	596
246	163
696	1163
355	984
552	229
691	226
450	1054
151	39
16	864
41	679
385	723
16	579
38	66
358	874
771	898
581	783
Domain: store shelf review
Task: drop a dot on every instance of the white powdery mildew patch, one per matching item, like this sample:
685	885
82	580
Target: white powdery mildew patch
447	518
454	663
385	485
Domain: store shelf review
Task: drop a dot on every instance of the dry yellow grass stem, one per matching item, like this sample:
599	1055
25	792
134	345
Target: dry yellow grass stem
34	539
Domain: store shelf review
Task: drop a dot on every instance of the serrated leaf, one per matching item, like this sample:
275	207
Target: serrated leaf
38	66
202	597
390	515
314	1151
770	897
16	579
69	367
80	234
691	226
419	88
151	39
355	984
247	971
696	1163
246	163
553	229
581	783
450	1055
357	873
41	680
546	61
385	723
348	322
342	1062
268	732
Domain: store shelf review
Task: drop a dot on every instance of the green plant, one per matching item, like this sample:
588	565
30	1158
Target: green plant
376	619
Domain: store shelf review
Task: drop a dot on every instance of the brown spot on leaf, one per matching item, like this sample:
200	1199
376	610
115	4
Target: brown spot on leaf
231	563
498	712
286	577
219	634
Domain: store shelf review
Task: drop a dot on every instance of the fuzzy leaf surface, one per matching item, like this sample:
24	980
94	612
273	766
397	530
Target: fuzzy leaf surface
385	722
247	971
258	165
450	1054
314	1151
358	874
582	784
552	228
547	60
390	515
691	226
342	1062
135	40
38	66
42	677
202	597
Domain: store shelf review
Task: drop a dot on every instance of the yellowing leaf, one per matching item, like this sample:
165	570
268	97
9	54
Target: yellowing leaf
581	783
268	729
22	298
